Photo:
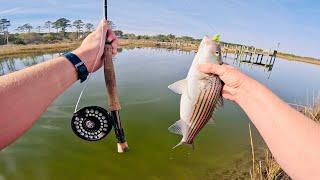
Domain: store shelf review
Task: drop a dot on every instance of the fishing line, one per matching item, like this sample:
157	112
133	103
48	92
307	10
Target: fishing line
188	5
93	123
91	72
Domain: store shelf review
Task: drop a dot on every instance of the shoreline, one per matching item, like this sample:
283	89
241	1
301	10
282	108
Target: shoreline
11	51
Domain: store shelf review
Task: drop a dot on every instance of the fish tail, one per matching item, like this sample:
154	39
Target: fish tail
190	145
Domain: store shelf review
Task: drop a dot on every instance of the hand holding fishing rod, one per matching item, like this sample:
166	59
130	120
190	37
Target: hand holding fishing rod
93	123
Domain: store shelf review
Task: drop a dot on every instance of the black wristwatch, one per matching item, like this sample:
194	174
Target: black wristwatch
79	65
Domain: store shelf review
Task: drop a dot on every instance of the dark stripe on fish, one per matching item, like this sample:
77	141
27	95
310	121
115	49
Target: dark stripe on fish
213	104
217	86
195	111
195	114
197	108
209	98
202	118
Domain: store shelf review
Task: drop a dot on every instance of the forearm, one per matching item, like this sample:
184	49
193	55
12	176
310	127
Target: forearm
292	137
26	94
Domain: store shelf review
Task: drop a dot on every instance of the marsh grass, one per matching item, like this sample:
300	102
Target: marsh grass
266	168
20	50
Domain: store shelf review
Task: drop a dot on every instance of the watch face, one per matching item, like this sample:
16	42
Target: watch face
92	123
81	68
82	72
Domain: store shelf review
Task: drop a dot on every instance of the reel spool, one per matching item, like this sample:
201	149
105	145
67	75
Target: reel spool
92	123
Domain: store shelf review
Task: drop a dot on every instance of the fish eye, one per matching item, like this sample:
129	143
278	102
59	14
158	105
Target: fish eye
217	53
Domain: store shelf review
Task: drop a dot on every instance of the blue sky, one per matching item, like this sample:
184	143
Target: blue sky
263	23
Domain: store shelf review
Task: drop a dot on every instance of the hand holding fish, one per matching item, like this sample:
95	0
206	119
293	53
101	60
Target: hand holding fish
292	137
200	94
233	79
92	46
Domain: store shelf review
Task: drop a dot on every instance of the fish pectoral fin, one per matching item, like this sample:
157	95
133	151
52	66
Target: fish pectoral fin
211	121
179	87
179	127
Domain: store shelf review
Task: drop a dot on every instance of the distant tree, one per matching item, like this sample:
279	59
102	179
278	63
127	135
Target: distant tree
171	37
62	24
55	25
161	38
48	25
4	28
145	37
111	24
19	29
89	27
187	38
118	33
25	28
130	36
39	29
78	24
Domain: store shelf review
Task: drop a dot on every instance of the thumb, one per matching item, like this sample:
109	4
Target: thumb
102	29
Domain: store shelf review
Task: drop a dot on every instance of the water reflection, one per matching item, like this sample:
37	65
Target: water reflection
149	108
8	65
254	62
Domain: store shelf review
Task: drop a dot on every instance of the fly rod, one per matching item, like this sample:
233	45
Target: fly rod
94	123
112	92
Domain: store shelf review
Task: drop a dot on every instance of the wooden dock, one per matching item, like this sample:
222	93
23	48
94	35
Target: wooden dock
250	54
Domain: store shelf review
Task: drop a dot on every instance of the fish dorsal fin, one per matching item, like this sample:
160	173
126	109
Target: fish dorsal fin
179	87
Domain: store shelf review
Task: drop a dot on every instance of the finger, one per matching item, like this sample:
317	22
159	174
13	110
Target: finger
228	92
212	68
103	25
227	96
111	36
115	43
101	31
114	51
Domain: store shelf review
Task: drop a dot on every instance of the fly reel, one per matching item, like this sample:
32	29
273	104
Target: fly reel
92	123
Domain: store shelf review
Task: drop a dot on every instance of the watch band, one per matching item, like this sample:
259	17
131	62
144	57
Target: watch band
79	65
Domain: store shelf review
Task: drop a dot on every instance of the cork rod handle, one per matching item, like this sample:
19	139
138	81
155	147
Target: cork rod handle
110	79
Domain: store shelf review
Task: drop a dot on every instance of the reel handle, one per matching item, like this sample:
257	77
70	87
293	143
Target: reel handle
110	79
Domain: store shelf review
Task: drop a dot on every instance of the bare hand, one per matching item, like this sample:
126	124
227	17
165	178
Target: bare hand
90	47
234	79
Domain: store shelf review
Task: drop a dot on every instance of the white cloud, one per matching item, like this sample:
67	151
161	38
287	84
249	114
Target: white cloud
10	11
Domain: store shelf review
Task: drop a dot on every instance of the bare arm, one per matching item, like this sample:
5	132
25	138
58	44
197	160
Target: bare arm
293	138
26	94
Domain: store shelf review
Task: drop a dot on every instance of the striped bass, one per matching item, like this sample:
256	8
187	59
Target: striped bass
200	94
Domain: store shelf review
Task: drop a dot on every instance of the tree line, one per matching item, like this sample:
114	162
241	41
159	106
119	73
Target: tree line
27	33
56	31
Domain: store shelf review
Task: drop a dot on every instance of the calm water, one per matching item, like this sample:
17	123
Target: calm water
50	150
